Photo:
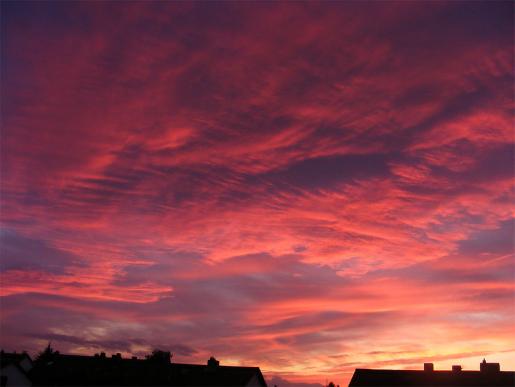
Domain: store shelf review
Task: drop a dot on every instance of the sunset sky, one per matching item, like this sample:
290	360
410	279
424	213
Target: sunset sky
307	187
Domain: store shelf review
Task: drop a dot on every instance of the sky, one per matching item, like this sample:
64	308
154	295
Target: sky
307	187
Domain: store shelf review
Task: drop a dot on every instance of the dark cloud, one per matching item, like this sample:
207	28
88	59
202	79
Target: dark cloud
326	172
497	241
123	344
279	381
20	252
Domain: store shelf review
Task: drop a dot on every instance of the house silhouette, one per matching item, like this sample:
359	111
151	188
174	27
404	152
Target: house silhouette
489	375
14	369
55	369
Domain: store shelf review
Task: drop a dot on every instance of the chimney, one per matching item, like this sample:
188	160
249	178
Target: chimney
212	362
456	368
489	367
429	367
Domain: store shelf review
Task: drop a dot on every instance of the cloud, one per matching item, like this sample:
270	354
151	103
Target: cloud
125	345
281	184
279	381
25	253
497	241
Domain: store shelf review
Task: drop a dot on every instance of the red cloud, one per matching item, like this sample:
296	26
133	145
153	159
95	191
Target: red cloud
267	182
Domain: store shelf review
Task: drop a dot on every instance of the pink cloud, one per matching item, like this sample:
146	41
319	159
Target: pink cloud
287	185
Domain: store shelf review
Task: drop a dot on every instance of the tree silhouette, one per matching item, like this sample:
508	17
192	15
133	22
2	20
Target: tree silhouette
46	356
159	356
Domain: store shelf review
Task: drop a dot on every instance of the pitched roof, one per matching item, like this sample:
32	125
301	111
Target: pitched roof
7	358
75	370
15	360
201	375
398	378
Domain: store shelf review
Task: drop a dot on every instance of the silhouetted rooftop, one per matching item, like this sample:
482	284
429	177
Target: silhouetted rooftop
7	358
428	378
76	370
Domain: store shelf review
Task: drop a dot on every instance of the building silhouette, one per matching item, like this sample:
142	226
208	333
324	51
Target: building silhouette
55	369
489	375
14	369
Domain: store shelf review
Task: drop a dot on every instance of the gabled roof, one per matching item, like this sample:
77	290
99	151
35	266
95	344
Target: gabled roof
75	370
14	360
398	378
201	375
7	358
